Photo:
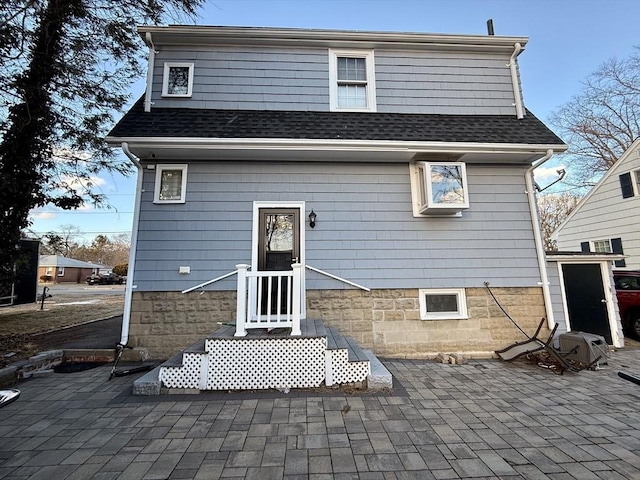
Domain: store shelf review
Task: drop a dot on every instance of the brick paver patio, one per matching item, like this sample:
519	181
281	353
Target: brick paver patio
486	419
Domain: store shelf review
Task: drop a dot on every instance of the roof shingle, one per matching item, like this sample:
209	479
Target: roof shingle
272	124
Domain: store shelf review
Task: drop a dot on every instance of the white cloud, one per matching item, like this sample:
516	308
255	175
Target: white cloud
81	184
39	214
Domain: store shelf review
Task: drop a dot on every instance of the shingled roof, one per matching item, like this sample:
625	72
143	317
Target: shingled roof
271	124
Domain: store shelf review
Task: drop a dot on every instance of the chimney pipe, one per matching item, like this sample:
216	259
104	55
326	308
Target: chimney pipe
490	26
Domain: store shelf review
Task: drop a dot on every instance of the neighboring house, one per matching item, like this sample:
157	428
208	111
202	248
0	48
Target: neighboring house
607	219
389	175
66	270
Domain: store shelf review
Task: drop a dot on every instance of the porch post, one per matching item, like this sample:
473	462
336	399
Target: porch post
297	294
241	300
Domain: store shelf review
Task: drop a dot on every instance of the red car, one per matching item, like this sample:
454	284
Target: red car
628	293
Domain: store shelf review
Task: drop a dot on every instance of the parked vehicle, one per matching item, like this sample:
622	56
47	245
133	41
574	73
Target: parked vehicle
628	294
105	279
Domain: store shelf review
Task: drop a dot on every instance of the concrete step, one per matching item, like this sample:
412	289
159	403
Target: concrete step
380	378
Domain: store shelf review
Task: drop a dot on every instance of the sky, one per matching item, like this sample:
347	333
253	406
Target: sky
568	40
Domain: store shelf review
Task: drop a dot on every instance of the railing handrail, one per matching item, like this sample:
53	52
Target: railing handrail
209	282
270	273
335	277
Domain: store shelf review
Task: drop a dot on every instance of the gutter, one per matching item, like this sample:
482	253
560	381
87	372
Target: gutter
537	237
214	143
513	68
152	57
128	292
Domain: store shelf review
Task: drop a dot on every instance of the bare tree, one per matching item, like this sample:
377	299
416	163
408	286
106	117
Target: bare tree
65	70
63	242
553	209
601	121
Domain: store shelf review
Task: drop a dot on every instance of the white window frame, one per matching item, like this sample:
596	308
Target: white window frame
422	191
370	82
460	314
48	271
635	180
165	80
61	271
183	190
601	241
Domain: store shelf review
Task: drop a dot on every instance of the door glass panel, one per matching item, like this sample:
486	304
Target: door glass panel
279	241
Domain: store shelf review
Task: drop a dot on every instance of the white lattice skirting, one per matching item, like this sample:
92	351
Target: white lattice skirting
263	363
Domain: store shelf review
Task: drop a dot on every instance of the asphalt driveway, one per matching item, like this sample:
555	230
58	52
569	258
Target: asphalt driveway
94	335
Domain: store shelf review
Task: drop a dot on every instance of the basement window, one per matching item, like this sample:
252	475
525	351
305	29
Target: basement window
439	188
177	80
443	304
171	184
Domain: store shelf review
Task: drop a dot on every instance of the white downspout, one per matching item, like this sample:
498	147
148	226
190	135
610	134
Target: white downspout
151	64
537	237
128	291
513	67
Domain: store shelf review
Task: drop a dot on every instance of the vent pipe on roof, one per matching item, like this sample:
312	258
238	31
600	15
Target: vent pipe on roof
490	26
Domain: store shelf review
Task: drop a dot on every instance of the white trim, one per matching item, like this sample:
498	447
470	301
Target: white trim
60	271
198	34
255	234
332	144
183	189
461	299
165	79
608	294
370	84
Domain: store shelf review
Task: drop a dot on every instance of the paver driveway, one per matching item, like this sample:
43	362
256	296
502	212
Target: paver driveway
485	419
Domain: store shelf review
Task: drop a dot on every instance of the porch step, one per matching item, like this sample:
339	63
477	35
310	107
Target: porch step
220	362
336	341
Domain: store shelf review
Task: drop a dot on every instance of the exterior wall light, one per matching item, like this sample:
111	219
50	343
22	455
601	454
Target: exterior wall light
312	219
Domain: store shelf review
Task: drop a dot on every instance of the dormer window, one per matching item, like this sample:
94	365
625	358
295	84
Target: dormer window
177	80
352	80
439	188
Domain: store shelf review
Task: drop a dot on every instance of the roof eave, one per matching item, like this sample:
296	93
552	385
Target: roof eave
403	149
199	34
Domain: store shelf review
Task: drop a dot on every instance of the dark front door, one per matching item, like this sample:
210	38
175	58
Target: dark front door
278	248
586	301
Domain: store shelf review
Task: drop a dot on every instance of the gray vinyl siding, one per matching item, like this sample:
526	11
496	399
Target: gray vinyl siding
605	215
365	231
262	78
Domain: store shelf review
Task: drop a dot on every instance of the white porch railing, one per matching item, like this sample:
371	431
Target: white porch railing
268	299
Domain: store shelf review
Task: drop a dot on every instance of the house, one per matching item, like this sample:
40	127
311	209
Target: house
607	219
373	181
66	270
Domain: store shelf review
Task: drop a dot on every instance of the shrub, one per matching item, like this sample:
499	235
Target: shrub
121	269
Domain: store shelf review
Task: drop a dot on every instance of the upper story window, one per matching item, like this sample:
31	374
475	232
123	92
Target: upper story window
171	184
439	188
352	80
177	80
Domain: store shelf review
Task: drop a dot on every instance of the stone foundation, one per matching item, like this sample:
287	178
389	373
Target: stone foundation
385	321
